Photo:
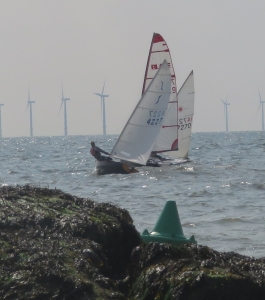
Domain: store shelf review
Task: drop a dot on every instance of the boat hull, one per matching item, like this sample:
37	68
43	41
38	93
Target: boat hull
161	163
113	167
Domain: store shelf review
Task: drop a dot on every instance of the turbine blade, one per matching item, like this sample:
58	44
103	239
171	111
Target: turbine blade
27	106
61	106
62	90
103	86
259	96
258	108
260	101
224	105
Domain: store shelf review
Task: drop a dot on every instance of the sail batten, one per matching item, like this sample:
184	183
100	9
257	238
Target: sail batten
164	126
160	51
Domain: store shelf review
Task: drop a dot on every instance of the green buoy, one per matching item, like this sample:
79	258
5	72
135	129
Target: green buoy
168	228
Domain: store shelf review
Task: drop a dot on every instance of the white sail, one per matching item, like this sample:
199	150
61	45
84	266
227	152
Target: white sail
136	141
185	116
167	140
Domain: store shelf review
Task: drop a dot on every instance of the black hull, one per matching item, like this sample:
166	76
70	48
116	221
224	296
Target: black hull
112	167
153	164
167	162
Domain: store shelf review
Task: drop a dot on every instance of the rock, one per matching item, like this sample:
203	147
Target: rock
162	271
57	246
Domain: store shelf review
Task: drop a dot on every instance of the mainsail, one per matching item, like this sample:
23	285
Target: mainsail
185	117
167	140
136	141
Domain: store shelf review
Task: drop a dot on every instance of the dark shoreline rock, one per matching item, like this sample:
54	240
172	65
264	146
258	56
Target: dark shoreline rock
57	246
162	271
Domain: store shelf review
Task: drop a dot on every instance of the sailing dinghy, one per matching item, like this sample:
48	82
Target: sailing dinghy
173	139
136	140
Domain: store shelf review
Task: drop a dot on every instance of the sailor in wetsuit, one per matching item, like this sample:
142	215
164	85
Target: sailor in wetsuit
96	152
155	154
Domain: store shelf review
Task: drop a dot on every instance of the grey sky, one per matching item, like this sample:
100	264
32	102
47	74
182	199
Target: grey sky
79	43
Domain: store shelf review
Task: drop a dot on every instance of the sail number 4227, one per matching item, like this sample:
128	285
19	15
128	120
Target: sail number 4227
156	117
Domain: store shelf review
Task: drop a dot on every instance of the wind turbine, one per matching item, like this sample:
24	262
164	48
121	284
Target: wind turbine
102	96
262	110
1	120
226	112
65	114
30	113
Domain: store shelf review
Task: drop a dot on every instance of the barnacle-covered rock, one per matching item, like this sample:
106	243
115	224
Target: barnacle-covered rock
190	272
57	246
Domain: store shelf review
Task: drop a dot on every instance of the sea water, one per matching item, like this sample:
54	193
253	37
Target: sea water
220	193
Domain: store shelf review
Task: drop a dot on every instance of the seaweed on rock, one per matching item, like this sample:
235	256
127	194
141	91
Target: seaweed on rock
57	246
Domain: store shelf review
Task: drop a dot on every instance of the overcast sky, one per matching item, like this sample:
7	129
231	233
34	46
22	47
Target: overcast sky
79	43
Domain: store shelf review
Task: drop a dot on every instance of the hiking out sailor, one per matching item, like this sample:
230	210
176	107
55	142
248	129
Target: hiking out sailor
96	152
155	154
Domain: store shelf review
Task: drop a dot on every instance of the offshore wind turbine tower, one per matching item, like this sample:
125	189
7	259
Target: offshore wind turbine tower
30	114
103	114
65	112
261	103
226	112
1	120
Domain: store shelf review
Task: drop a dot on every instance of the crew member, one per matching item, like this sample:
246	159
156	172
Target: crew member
155	154
96	152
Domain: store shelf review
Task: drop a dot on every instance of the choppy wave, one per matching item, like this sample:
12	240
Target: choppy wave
219	193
